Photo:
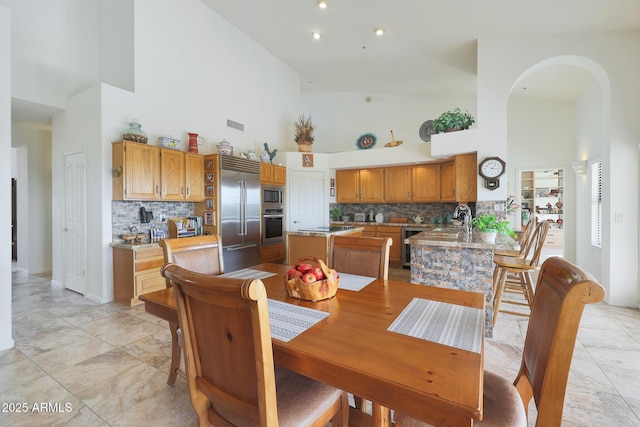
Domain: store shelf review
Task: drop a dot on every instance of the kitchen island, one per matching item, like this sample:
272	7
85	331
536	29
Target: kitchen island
449	257
314	241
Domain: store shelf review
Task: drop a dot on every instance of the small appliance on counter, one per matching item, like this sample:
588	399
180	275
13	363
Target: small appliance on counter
358	217
370	217
379	217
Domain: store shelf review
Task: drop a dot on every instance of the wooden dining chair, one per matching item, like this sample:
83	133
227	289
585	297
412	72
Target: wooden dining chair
202	254
364	256
229	357
562	291
514	275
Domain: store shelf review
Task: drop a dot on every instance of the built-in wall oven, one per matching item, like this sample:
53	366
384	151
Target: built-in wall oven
272	224
406	248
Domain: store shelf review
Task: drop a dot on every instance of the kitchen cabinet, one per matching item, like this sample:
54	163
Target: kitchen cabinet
136	271
135	171
398	184
369	230
181	175
194	172
360	185
458	179
273	174
273	253
172	175
425	182
147	172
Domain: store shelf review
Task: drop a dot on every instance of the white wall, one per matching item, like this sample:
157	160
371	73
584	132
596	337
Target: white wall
588	146
542	134
342	117
189	80
53	36
6	340
33	173
600	54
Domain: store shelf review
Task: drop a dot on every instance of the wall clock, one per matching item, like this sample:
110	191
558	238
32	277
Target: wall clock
490	169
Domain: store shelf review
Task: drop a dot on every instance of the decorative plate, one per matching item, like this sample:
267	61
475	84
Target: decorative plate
366	141
426	130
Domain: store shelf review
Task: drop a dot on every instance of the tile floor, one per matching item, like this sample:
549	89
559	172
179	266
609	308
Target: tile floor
80	364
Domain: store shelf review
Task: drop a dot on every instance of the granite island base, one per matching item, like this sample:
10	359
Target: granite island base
452	258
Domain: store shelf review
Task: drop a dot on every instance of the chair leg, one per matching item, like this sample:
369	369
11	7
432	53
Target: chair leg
341	418
497	297
175	354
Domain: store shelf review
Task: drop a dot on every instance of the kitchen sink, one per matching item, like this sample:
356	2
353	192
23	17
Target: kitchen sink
446	230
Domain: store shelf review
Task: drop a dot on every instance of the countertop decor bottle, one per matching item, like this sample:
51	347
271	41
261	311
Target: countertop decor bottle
135	133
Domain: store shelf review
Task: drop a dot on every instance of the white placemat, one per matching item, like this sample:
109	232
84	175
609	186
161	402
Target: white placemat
288	321
450	324
353	282
248	273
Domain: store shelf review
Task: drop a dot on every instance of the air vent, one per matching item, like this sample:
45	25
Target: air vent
238	164
235	125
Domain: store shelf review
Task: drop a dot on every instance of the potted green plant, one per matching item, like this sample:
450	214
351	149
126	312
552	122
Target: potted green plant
489	226
336	213
453	120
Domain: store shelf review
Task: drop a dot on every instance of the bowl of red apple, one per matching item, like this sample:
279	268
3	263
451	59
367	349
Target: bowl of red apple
310	279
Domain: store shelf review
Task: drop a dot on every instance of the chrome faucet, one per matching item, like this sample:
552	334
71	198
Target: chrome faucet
133	229
465	210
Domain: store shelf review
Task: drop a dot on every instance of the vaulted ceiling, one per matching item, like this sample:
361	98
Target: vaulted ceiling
429	46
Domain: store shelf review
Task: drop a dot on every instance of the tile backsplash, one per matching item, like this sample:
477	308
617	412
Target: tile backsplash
430	211
125	214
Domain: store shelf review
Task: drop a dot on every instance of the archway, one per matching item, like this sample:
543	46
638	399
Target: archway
558	113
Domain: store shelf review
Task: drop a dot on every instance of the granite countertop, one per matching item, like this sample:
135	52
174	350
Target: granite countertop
133	246
458	237
326	231
393	224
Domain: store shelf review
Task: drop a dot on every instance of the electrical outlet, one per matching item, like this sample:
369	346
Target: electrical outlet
497	207
163	218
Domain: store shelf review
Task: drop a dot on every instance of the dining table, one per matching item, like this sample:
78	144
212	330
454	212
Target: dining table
406	347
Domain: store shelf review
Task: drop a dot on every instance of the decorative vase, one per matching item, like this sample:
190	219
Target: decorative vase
265	157
224	147
488	236
135	133
304	147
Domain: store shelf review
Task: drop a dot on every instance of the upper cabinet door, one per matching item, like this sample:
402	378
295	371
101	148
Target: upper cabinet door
371	185
398	184
448	181
347	186
425	183
172	174
141	172
194	173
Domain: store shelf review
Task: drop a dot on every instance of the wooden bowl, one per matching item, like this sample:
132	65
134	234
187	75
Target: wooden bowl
315	291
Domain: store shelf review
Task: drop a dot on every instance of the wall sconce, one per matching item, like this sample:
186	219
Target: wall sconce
580	167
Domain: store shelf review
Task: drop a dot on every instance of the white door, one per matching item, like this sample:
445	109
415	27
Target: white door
74	222
306	207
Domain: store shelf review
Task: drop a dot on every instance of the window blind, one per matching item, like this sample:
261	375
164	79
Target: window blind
596	204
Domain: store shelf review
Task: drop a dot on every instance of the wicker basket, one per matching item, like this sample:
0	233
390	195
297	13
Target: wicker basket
316	291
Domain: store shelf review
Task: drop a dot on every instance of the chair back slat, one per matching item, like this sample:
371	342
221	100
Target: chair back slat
202	254
537	242
364	256
561	294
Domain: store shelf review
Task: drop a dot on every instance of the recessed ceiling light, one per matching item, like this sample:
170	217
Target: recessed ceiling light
379	31
322	4
316	35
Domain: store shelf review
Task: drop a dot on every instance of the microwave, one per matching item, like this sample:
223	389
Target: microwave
272	195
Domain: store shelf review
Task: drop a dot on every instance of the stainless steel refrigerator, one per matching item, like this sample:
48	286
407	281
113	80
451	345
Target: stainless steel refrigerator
240	212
